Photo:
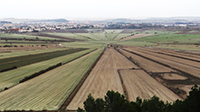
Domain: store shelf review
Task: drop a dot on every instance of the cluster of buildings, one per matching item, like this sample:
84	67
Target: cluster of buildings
9	27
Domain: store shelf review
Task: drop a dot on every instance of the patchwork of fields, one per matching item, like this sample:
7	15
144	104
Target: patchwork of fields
60	76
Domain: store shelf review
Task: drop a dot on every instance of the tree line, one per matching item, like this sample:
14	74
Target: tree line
116	102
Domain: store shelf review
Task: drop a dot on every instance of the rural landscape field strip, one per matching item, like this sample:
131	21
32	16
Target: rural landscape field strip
183	68
184	55
136	36
29	59
175	59
146	64
103	77
71	35
13	77
49	90
30	52
139	83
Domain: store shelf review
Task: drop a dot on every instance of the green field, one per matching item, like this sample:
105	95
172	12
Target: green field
47	91
111	34
171	38
12	77
70	35
181	47
33	58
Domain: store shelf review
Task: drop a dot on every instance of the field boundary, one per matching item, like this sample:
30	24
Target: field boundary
71	96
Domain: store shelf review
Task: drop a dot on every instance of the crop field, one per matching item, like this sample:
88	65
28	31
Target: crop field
103	77
139	83
122	35
47	91
33	58
174	63
171	38
59	76
111	34
27	51
136	36
148	65
180	47
71	35
13	77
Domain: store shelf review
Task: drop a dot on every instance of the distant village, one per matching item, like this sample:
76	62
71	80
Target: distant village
25	27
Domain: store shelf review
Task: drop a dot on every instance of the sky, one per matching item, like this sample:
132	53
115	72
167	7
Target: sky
97	9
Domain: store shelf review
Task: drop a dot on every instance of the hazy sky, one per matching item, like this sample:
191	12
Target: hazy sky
49	9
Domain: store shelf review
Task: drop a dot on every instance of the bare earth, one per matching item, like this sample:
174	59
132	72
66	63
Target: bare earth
139	83
193	70
103	77
137	36
148	65
172	76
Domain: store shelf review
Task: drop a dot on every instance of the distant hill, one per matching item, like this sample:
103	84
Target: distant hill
54	20
5	22
16	20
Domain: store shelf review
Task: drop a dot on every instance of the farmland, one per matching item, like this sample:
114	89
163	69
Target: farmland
103	77
34	58
59	75
139	83
13	77
51	90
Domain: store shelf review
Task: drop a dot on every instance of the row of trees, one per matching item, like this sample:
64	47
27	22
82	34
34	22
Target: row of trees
115	102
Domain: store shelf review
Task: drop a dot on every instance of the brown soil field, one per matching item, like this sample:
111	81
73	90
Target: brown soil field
186	88
172	76
175	53
139	83
146	64
175	59
180	66
137	36
102	78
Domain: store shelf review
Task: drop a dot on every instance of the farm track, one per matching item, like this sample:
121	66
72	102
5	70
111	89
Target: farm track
171	64
47	91
102	78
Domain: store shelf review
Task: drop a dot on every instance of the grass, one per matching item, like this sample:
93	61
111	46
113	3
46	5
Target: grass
111	34
12	77
180	47
88	44
135	43
121	35
50	90
33	58
71	35
171	38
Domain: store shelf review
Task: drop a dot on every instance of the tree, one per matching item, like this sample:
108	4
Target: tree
114	102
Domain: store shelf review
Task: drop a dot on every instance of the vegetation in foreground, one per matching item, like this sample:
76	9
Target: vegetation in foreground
115	102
